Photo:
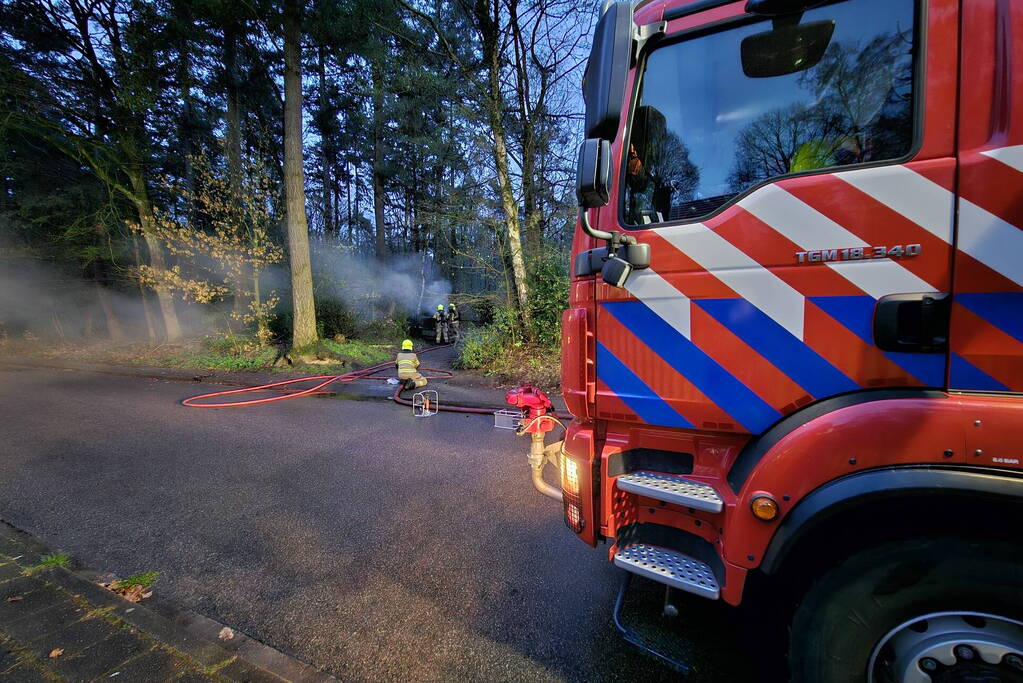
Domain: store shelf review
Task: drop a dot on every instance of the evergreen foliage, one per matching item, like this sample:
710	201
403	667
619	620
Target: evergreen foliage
142	147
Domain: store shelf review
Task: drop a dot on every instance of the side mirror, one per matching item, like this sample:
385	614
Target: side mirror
606	71
593	173
787	48
592	189
616	271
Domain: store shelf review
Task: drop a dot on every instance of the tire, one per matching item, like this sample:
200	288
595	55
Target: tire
851	609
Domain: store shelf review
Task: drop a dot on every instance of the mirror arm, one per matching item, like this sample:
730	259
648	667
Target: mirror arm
786	20
613	237
584	221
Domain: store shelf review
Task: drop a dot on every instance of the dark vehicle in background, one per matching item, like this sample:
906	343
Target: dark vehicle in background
424	327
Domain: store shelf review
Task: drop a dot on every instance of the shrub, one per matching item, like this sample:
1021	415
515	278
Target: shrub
333	318
229	344
548	297
481	347
385	328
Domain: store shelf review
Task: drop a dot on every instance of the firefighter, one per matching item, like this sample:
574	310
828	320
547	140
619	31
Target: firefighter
442	324
453	320
407	363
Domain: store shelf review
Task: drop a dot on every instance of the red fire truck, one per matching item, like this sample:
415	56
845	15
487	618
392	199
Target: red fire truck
794	345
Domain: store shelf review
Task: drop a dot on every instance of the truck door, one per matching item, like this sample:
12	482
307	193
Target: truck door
781	208
987	316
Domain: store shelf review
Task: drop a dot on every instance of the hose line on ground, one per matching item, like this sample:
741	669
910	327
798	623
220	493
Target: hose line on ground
326	380
365	373
537	460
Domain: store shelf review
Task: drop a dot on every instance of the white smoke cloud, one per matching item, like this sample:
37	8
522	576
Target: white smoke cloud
55	302
51	301
361	282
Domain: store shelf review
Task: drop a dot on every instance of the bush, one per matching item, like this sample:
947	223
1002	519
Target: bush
385	328
333	318
481	348
497	347
485	349
548	297
229	344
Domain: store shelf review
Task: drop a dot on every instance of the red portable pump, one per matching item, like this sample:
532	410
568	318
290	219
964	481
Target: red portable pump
535	404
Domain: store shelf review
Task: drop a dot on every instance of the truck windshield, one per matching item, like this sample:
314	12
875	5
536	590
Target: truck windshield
703	132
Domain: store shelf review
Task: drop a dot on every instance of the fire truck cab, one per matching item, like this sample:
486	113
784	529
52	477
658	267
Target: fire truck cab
794	344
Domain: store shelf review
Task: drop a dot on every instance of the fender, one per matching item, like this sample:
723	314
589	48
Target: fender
756	449
834	439
869	487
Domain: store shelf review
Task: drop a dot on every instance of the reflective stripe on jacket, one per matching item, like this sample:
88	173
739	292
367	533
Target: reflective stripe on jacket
407	363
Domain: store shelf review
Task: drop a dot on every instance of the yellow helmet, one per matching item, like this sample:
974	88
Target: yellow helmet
440	307
406	345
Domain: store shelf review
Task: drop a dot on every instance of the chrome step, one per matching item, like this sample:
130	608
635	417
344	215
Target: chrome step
671	488
669	567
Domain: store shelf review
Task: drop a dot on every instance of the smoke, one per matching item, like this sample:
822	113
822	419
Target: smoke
54	302
362	283
47	301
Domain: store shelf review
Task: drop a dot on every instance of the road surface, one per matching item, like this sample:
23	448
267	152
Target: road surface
349	534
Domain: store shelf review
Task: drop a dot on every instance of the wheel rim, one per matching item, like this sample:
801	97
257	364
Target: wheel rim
950	647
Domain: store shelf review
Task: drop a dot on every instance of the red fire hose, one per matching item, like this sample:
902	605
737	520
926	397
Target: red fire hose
365	373
354	375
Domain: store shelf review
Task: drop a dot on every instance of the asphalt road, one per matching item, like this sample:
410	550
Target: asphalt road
349	534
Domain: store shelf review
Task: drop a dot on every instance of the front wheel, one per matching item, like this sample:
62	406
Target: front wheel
944	610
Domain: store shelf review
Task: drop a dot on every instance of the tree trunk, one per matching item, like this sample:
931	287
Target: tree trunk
491	53
531	210
326	146
114	329
186	126
166	300
527	124
378	162
233	151
233	116
304	325
150	326
147	221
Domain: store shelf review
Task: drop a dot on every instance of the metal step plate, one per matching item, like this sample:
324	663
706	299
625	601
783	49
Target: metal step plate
672	489
669	567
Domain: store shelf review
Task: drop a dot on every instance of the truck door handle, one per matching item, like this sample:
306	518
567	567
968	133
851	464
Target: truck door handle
914	323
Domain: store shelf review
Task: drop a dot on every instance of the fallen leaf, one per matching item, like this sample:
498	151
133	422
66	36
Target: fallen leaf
226	634
15	598
56	652
132	594
147	595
